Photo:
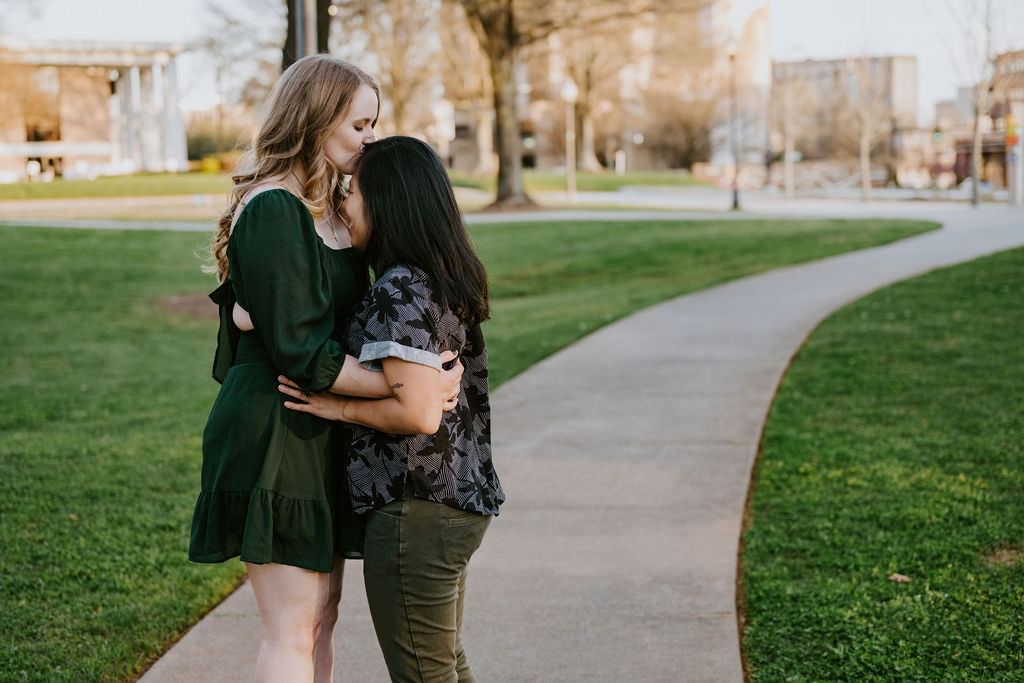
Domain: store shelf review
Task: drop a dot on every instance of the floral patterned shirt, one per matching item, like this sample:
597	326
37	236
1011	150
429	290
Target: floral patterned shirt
400	318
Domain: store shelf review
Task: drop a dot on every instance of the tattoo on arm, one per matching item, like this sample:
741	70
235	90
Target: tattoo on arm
397	385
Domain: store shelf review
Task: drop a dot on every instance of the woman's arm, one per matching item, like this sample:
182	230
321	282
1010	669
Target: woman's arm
355	380
412	409
277	275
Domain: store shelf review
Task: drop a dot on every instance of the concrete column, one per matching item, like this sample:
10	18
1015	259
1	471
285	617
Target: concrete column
486	162
149	132
116	119
128	87
131	104
175	146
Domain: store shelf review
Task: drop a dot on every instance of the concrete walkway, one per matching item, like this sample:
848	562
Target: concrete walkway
626	458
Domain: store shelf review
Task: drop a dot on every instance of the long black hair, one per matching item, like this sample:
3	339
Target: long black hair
414	220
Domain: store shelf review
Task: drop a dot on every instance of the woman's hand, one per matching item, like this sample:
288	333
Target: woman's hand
331	406
322	404
451	380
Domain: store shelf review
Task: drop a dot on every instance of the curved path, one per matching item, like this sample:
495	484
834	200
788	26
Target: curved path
626	458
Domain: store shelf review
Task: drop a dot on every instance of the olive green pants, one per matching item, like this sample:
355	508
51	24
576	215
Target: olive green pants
414	566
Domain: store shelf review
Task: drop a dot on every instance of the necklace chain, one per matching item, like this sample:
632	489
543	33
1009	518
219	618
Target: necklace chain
330	217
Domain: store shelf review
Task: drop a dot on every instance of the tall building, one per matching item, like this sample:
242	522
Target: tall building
824	93
88	108
1009	88
650	93
1005	111
1008	77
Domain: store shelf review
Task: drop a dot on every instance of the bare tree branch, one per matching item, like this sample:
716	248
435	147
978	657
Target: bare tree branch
978	22
401	36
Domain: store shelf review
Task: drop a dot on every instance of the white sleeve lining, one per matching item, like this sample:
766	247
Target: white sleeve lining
373	353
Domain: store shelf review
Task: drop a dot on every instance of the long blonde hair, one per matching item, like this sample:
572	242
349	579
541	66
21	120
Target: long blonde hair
311	95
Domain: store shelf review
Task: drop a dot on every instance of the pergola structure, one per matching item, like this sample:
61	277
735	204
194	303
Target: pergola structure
89	108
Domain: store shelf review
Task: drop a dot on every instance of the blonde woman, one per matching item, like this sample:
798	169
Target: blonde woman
274	491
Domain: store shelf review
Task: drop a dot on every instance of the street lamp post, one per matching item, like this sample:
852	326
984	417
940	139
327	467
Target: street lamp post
733	136
300	29
305	28
569	94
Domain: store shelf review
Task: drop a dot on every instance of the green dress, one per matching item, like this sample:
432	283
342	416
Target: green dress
274	487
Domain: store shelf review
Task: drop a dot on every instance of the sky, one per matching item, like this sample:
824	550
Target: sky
799	29
926	29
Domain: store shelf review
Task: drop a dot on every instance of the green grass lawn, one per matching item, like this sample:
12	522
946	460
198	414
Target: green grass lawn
896	446
105	395
586	181
156	184
142	184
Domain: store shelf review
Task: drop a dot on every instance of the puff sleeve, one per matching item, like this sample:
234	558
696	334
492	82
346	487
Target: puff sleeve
280	280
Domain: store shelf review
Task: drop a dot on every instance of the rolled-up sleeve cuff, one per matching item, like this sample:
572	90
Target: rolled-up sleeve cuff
326	373
374	352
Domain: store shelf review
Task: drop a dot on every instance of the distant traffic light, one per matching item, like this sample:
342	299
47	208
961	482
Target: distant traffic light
937	136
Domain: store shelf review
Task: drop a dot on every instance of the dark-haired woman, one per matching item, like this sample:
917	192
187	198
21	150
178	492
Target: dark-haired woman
422	477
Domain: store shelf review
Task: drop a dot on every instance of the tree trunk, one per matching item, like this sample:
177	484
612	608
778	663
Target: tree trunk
586	149
788	171
288	56
398	112
511	190
323	25
976	152
485	142
586	157
865	164
788	146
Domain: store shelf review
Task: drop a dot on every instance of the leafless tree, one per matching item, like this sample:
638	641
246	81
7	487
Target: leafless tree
865	111
400	36
504	28
593	57
793	111
978	23
684	90
466	81
679	127
241	46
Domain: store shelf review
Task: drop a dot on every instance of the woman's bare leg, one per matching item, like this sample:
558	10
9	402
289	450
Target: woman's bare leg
290	601
323	632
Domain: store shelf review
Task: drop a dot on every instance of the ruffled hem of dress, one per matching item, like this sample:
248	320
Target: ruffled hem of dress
264	527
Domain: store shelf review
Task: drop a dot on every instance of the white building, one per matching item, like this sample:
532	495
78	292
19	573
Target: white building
81	109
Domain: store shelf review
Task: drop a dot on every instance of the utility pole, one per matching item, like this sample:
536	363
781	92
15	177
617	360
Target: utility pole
300	29
569	94
305	28
310	11
732	130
